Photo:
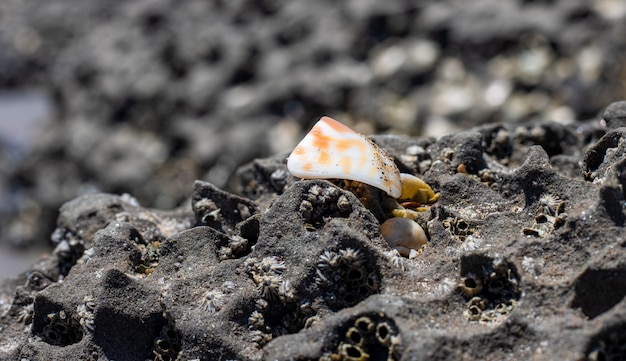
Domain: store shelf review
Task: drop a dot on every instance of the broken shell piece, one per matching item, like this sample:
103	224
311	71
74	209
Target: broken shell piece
404	235
332	150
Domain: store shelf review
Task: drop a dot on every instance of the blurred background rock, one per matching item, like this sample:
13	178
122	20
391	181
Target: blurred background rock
146	96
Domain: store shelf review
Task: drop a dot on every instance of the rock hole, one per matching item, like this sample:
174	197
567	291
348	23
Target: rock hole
597	291
354	336
608	344
353	351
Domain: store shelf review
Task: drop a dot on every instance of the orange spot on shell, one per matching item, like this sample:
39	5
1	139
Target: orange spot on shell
324	158
346	164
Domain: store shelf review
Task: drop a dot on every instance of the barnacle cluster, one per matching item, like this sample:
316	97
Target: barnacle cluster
69	248
213	300
149	257
267	273
498	143
489	178
369	337
321	204
288	313
167	345
61	329
347	277
458	227
492	290
85	314
25	314
550	215
237	247
208	213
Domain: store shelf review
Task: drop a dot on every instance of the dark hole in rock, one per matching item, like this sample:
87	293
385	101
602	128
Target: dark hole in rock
135	236
350	299
597	291
354	336
353	351
383	332
608	344
363	324
364	291
354	274
470	283
164	345
474	310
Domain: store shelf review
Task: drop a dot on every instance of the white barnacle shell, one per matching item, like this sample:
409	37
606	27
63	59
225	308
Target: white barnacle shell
332	150
403	235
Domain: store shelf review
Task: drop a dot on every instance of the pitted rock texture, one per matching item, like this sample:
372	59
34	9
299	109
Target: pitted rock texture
525	260
192	89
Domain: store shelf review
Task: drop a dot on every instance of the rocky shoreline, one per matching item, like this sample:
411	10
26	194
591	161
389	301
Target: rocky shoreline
526	259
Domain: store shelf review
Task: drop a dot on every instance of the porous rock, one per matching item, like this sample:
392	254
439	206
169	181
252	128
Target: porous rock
525	259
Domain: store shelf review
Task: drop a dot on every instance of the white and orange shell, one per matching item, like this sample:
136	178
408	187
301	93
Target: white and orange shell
332	150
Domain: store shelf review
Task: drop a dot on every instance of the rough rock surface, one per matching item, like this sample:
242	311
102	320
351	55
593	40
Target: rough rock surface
526	259
193	89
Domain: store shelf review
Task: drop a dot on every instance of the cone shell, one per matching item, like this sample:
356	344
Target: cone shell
332	150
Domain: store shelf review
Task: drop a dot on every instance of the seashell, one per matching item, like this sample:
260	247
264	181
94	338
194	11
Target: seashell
403	235
332	150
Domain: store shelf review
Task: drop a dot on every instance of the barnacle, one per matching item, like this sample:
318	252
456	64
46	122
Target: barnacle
367	338
25	314
270	265
550	216
384	332
365	324
343	204
473	313
493	288
212	301
321	204
458	227
286	291
471	285
266	273
396	259
85	313
351	256
167	345
328	259
256	319
268	286
404	235
260	338
208	211
551	204
61	329
149	258
348	276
